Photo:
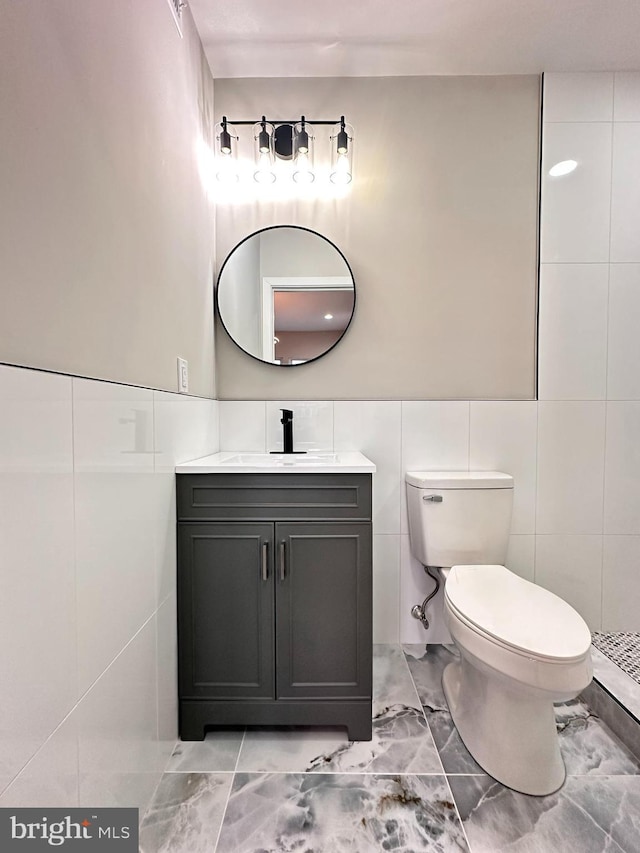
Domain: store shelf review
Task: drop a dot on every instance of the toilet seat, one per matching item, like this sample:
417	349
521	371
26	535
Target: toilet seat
518	615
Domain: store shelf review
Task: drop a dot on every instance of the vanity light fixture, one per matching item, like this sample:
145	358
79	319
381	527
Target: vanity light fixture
287	140
227	171
303	153
342	153
264	136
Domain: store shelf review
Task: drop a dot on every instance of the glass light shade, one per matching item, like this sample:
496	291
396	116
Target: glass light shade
341	154
303	172
264	152
226	153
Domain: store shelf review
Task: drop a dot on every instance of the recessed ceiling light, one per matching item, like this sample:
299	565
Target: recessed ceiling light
328	316
563	168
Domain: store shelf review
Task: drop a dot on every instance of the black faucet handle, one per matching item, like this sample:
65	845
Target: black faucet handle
287	416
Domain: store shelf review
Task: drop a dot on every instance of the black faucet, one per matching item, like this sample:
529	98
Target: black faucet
287	430
287	433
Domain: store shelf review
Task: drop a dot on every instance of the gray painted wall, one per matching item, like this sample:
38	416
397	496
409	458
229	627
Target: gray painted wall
440	228
106	231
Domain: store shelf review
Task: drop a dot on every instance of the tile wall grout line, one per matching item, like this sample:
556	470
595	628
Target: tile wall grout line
75	576
535	492
31	758
265	437
468	435
118	655
537	486
606	376
156	596
402	476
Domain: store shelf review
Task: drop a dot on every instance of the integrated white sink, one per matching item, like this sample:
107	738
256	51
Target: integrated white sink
268	460
232	462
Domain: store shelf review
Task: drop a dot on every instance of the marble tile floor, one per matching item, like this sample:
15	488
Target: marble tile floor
414	787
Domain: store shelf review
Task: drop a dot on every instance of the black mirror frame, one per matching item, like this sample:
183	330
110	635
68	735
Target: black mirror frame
217	287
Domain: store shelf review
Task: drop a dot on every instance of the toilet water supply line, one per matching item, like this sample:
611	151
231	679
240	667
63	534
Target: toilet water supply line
419	611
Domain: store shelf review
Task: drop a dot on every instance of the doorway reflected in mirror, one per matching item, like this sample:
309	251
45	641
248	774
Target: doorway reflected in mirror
285	295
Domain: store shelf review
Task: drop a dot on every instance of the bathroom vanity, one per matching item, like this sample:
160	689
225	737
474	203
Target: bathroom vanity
274	591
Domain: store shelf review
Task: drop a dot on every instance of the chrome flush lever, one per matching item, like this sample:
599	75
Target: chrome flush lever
436	499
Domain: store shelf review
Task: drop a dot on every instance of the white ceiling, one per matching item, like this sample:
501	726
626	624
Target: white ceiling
282	38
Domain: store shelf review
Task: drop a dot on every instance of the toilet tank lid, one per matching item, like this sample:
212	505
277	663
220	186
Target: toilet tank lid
459	479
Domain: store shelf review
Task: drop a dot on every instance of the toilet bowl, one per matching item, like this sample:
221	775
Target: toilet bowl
521	647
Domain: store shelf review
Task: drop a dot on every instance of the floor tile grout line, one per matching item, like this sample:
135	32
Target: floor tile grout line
455	805
358	772
226	805
433	740
200	772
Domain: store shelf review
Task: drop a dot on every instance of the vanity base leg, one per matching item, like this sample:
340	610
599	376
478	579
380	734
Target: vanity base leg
192	726
359	725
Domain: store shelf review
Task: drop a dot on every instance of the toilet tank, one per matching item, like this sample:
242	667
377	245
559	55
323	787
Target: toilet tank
459	517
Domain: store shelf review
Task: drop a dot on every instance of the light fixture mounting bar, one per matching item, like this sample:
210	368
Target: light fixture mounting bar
284	121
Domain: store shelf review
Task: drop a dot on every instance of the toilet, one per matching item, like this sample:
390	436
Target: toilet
521	647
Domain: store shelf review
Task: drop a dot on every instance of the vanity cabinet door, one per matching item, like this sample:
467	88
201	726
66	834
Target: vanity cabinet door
323	610
225	611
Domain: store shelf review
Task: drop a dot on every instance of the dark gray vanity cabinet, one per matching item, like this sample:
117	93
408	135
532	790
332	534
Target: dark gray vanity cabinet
274	601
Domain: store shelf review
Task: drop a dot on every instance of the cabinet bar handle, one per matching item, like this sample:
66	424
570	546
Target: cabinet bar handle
283	546
265	565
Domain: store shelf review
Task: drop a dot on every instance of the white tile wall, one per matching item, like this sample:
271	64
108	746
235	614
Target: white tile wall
622	468
625	193
623	375
586	96
503	438
312	428
120	757
626	99
115	520
167	641
575	220
50	779
374	429
521	556
435	436
243	425
570	467
37	572
185	428
386	588
571	566
621	583
572	359
87	559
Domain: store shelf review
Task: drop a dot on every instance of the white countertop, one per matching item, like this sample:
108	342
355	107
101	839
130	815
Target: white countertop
313	462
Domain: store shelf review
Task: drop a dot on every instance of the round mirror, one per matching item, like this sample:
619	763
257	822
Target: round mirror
285	295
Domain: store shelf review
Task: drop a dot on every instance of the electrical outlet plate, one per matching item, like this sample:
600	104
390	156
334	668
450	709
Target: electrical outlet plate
183	376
